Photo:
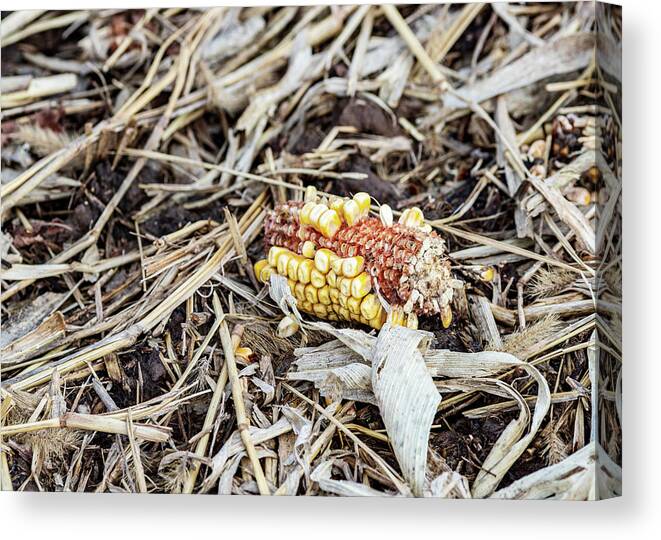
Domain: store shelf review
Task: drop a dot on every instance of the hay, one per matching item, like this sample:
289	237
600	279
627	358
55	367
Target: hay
141	151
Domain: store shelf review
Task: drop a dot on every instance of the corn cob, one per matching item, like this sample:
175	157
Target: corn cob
343	264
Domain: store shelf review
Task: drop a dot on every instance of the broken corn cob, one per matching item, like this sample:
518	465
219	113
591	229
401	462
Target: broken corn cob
342	264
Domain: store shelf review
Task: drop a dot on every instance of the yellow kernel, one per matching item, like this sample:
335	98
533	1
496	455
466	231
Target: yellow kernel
446	316
304	214
412	321
265	274
292	267
361	285
344	314
259	266
287	327
337	204
305	269
311	194
320	310
412	217
299	291
336	266
316	213
363	201
385	213
488	273
329	223
322	260
317	279
243	352
292	284
334	295
354	305
311	294
283	262
331	278
378	321
274	253
397	317
332	316
324	295
344	284
351	212
307	306
343	300
308	249
370	306
352	266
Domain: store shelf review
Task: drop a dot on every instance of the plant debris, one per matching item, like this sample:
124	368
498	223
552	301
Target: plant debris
142	154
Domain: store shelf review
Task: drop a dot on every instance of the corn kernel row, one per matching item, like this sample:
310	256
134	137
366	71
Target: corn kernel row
326	285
